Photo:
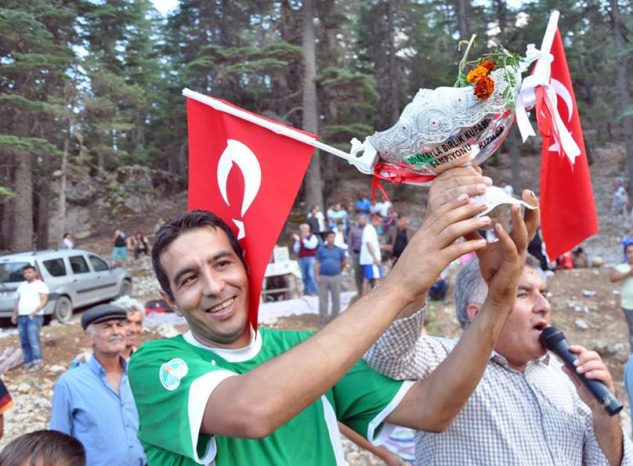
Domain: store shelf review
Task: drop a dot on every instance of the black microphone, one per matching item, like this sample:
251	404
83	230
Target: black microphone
554	340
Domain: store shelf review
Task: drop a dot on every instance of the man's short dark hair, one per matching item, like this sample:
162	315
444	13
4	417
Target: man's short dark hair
45	447
185	223
27	267
470	288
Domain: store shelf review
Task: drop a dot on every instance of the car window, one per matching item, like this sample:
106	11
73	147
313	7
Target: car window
78	264
98	264
55	267
12	271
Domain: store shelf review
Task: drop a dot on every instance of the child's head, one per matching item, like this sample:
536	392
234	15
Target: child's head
43	448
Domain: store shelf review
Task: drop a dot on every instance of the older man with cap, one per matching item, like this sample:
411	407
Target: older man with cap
93	402
135	316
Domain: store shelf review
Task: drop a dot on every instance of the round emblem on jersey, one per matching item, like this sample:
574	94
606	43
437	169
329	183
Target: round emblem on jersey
172	372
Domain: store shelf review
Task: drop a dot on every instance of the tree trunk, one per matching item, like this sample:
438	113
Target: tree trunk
314	195
394	106
22	233
463	20
43	203
622	84
62	185
6	209
6	228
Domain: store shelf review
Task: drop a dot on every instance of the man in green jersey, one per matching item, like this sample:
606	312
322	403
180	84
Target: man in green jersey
225	394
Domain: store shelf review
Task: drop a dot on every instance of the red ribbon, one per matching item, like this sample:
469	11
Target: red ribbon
544	117
397	175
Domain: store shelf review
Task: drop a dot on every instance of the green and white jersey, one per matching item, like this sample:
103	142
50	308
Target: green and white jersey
172	380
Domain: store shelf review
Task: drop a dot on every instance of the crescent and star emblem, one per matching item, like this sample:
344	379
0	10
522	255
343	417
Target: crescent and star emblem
562	92
240	156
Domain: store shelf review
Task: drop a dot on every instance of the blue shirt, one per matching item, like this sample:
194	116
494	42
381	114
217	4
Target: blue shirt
363	205
628	383
330	260
88	408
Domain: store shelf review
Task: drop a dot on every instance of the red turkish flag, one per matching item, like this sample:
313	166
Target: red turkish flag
246	174
568	211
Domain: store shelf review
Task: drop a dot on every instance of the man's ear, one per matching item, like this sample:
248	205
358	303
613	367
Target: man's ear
170	301
472	310
88	339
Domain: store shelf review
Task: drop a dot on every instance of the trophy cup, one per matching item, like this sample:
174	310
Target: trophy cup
451	126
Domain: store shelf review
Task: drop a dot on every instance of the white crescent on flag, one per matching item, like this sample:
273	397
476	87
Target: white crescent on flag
562	92
241	156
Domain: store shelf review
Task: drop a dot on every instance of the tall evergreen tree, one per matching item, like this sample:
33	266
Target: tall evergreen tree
35	50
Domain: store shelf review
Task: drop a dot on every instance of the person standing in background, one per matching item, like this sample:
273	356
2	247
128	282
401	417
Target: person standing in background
140	244
30	300
316	220
398	238
67	241
135	316
624	273
305	247
119	248
370	257
354	243
339	238
620	203
337	215
362	203
330	262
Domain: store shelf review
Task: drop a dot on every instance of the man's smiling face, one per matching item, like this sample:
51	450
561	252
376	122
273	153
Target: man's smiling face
210	287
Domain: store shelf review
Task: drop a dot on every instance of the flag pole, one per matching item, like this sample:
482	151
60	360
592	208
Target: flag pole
275	127
548	40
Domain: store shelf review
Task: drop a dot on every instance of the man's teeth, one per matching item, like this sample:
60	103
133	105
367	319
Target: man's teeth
220	307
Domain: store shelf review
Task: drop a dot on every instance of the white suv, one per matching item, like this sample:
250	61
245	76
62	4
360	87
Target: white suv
75	278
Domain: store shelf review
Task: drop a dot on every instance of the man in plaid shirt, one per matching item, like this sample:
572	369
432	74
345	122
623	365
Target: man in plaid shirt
525	410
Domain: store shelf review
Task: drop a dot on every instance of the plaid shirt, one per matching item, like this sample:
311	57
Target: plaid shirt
526	418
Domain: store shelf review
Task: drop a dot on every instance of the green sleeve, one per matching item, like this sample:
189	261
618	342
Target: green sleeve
364	398
171	383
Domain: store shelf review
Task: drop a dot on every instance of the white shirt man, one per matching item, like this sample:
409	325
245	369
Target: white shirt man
30	300
370	257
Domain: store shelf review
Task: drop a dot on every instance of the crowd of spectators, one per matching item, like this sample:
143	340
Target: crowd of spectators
372	235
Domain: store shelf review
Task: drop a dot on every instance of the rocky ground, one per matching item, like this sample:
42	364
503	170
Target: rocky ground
585	305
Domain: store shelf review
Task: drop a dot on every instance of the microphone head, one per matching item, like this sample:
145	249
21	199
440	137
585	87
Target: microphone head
550	337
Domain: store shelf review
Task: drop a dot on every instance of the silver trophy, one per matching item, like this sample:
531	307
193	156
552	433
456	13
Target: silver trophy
450	126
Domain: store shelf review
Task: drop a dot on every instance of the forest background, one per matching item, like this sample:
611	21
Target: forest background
90	86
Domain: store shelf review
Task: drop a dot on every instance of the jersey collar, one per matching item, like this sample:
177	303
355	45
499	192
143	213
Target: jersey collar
231	355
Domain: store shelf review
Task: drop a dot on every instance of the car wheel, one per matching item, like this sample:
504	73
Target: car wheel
63	310
126	288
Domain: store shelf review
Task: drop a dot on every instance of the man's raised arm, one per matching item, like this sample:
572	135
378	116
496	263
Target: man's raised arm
298	377
441	396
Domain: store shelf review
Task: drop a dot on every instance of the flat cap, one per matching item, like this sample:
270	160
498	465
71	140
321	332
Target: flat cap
101	313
